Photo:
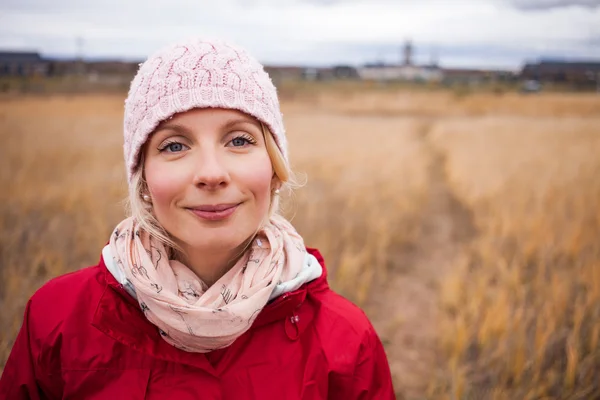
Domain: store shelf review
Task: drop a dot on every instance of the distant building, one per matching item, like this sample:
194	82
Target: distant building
580	74
475	76
65	67
406	71
109	67
344	72
94	68
387	72
282	73
19	63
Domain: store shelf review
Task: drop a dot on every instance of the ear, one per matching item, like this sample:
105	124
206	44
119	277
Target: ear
275	182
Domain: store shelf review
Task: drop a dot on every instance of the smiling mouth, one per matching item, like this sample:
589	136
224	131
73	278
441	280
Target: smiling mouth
215	212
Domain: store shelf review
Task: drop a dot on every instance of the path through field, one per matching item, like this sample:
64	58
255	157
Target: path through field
406	303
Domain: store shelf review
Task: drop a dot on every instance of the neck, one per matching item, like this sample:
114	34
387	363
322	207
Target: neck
210	265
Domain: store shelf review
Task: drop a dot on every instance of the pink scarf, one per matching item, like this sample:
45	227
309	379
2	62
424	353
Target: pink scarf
191	316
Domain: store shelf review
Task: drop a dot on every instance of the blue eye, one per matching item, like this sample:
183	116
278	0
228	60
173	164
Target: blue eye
243	140
239	141
173	147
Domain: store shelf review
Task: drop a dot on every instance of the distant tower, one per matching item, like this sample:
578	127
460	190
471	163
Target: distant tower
79	64
79	42
408	53
434	58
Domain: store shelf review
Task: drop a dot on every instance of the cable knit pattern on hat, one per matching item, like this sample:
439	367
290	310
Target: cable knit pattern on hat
197	74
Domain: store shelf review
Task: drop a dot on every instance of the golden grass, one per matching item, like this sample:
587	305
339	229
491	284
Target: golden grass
517	300
527	320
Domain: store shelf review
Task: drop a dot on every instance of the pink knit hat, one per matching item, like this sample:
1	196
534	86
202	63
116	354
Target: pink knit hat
197	74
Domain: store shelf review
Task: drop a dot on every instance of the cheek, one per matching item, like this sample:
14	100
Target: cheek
164	183
257	179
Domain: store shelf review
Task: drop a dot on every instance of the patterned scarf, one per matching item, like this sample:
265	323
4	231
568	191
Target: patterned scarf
197	318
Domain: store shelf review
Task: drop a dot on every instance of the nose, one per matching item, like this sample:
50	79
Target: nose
211	172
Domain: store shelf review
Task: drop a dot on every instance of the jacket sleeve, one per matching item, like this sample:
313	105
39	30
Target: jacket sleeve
372	377
18	379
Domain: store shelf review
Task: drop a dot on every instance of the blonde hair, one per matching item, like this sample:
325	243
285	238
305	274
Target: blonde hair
142	210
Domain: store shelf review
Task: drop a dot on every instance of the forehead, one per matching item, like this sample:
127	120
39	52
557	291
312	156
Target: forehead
199	117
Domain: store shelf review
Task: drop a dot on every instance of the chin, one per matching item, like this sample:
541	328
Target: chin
225	240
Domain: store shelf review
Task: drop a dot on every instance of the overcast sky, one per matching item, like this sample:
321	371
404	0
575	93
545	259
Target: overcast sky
469	33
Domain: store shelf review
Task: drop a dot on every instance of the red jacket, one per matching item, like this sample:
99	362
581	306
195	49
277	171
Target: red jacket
84	337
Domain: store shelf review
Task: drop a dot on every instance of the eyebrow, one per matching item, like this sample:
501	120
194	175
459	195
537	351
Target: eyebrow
185	130
240	120
171	126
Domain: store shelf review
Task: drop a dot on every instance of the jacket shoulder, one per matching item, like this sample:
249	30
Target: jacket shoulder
65	297
353	350
343	315
69	285
335	310
345	333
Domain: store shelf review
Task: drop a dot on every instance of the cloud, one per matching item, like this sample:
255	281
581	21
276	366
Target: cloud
593	42
525	5
324	2
317	32
536	5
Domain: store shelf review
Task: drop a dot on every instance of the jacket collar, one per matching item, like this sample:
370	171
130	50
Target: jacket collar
119	316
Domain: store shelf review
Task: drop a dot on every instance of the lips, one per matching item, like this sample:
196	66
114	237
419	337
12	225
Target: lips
214	212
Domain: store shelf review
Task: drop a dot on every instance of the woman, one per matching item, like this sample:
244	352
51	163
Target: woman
205	291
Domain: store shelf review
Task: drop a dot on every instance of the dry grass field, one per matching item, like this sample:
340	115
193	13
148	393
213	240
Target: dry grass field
466	226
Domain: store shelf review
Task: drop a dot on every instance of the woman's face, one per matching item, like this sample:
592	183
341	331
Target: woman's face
209	177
